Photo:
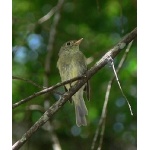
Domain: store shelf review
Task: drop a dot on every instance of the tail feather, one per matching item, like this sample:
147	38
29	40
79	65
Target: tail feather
80	116
80	108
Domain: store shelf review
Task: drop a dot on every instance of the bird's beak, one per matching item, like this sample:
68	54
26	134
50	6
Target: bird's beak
78	42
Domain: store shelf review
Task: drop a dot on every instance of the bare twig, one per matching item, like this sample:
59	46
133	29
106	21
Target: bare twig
102	134
48	15
29	81
104	111
103	115
51	12
57	105
50	89
112	64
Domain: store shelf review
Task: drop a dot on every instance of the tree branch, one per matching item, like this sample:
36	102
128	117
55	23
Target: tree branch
56	106
27	80
51	12
47	90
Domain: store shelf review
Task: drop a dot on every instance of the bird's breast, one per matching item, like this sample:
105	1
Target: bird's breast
71	65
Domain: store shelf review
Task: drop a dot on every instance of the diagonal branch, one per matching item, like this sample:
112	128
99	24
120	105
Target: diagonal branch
56	106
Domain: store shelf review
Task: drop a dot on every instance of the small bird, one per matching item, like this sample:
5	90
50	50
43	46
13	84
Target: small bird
72	63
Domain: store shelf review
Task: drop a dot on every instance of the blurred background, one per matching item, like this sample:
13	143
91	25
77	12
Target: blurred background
39	30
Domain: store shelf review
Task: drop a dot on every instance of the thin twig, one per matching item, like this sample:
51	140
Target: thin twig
57	105
112	64
104	110
103	115
48	15
46	90
121	88
29	81
102	134
51	12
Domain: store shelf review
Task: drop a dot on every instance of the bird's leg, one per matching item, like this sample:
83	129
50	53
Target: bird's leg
87	87
70	100
70	85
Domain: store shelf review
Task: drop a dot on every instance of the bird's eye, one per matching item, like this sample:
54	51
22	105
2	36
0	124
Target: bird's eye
68	43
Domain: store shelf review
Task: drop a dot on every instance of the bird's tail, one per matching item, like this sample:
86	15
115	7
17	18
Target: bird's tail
80	108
